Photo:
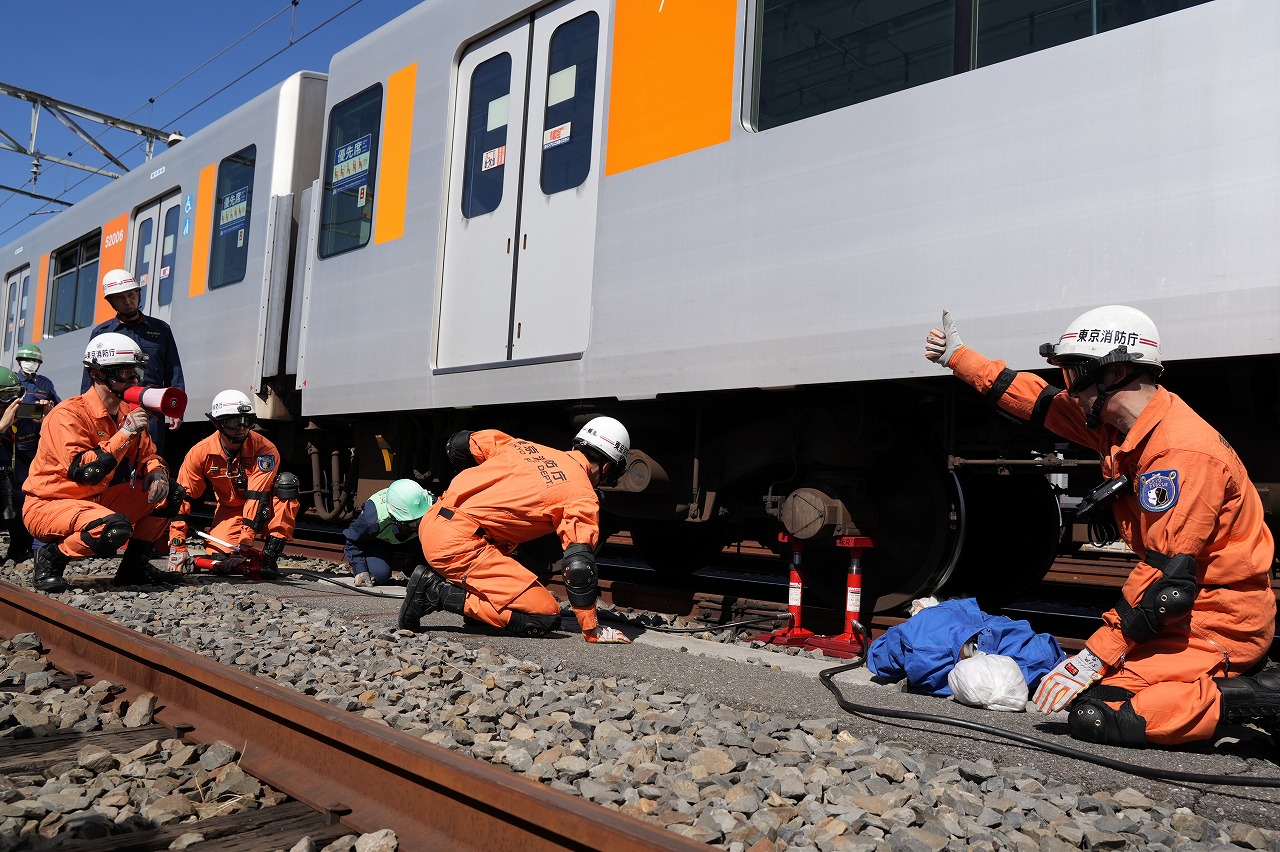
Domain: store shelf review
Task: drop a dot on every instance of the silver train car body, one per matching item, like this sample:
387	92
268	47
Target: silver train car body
615	232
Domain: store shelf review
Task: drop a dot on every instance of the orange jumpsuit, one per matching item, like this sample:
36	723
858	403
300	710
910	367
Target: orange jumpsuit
519	491
241	513
1191	496
58	507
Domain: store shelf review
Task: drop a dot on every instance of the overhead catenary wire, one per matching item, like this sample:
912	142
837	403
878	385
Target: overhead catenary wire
151	100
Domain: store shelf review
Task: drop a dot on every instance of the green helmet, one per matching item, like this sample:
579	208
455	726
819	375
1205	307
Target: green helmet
407	500
10	387
29	352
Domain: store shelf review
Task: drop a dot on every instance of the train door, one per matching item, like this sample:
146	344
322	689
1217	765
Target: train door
155	243
524	180
17	285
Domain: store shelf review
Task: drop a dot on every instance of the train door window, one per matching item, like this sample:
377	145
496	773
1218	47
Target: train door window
815	56
144	242
488	115
24	307
229	252
571	96
75	285
11	303
350	173
168	254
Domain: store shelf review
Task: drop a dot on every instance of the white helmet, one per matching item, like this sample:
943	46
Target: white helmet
1107	335
606	435
117	281
113	350
230	402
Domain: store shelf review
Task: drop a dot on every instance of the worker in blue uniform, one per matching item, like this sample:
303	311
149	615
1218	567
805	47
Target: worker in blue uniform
164	368
39	390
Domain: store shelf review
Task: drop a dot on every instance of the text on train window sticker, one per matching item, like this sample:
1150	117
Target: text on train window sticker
816	56
233	205
350	173
569	121
73	290
488	109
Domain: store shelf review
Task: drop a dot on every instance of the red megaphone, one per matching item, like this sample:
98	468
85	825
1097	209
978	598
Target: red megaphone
171	402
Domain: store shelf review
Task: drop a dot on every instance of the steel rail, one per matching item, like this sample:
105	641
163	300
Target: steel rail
368	775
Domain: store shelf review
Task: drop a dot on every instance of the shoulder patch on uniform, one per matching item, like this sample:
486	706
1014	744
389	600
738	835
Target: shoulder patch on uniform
266	464
1158	490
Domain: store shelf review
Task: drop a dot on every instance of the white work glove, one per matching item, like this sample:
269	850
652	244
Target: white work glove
157	483
1067	680
179	559
172	422
940	344
135	421
606	635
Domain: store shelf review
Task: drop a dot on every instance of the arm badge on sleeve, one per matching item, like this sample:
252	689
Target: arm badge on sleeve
266	464
1158	490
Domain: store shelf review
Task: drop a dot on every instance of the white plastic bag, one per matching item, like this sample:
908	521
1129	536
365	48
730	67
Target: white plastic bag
989	680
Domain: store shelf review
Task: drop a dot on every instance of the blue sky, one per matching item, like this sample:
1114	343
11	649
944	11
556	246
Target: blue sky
115	57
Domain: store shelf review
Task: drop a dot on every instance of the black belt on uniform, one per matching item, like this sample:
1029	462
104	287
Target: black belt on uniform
449	514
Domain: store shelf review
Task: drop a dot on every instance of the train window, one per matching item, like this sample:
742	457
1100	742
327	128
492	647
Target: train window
168	253
487	108
1011	28
24	294
571	100
350	173
233	198
815	56
74	293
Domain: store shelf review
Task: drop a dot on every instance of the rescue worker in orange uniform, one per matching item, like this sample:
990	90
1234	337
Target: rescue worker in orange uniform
510	491
96	481
240	465
1197	612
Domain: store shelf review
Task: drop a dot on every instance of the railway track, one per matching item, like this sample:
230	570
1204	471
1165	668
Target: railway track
343	769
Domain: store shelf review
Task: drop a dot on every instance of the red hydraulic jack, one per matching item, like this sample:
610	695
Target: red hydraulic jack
851	642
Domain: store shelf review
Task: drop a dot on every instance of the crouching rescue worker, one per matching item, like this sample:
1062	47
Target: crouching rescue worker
97	482
241	466
510	491
1198	610
375	543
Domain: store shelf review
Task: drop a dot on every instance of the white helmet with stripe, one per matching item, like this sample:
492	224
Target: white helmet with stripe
118	281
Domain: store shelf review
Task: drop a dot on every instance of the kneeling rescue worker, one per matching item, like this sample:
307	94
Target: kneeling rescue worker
241	466
510	491
97	481
1197	611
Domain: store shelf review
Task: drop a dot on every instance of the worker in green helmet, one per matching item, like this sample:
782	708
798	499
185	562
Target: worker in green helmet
375	541
11	466
39	390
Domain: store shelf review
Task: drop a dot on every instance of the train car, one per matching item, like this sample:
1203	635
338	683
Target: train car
207	228
730	223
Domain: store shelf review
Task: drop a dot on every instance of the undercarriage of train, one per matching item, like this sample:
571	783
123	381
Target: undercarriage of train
956	498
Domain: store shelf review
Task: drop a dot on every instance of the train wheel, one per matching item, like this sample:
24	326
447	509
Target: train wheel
1011	529
678	548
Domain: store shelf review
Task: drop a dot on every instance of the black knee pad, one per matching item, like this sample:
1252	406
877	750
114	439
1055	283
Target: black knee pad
1091	720
105	535
531	625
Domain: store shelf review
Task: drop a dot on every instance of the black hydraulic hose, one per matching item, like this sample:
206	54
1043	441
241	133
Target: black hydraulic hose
826	676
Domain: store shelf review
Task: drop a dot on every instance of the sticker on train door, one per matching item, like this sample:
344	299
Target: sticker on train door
351	164
556	135
493	158
235	207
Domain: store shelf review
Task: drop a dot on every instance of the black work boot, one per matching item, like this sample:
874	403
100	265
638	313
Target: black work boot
428	592
136	568
47	571
271	551
1253	699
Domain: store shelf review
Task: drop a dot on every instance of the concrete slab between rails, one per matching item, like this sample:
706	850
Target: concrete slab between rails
806	666
390	590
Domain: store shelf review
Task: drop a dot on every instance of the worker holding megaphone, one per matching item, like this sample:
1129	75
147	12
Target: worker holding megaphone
171	402
127	297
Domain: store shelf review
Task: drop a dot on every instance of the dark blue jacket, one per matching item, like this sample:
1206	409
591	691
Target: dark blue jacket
925	647
27	432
